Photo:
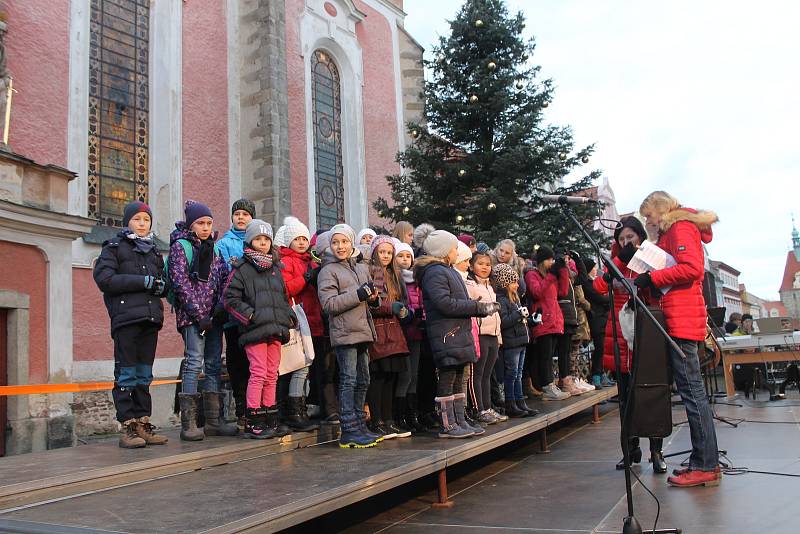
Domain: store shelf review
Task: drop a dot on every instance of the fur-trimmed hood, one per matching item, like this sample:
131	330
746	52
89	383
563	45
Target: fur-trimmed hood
703	219
423	263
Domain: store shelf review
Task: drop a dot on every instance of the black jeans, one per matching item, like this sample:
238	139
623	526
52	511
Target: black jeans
380	394
564	350
238	368
483	371
323	369
543	356
134	352
451	380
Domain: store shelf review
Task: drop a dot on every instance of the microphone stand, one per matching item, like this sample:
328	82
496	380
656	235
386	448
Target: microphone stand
630	524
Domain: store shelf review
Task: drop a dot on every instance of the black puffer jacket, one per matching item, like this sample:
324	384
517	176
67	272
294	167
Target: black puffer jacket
570	311
448	312
256	298
514	328
120	274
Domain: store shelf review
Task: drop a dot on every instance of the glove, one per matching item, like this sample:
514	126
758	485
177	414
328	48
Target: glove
418	313
158	287
310	276
558	265
574	255
399	310
627	253
366	291
485	309
148	282
205	324
643	280
524	311
607	277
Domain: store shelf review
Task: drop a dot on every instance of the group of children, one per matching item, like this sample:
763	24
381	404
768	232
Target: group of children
424	329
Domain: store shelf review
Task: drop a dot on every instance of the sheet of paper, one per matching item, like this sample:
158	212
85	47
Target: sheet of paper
650	257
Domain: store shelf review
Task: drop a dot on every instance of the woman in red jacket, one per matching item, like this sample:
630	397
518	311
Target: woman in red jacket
545	284
627	238
681	233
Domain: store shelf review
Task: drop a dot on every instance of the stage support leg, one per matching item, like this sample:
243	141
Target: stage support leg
544	448
596	414
443	501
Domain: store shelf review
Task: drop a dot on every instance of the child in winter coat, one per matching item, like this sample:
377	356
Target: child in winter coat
197	273
583	307
406	390
231	247
480	289
449	311
299	272
545	285
565	346
514	325
256	296
389	354
346	292
129	272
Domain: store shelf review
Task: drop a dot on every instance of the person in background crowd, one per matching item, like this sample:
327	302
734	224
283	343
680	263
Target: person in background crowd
514	325
365	236
404	232
130	273
734	322
569	310
598	317
299	274
346	292
197	273
628	236
745	327
420	233
681	233
547	283
406	391
448	310
469	241
231	247
255	295
506	252
582	334
389	353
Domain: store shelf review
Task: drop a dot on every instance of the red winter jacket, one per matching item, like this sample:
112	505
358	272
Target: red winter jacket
294	267
621	296
543	292
681	233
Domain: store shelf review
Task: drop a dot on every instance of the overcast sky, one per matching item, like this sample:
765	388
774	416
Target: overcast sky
699	98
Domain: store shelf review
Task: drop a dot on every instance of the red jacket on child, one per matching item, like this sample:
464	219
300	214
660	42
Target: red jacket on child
543	292
294	268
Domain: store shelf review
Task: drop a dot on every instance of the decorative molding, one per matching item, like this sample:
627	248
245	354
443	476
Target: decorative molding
17	218
78	106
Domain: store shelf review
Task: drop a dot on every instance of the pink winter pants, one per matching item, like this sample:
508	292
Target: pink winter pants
264	361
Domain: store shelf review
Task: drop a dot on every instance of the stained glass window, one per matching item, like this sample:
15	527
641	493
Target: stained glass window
328	171
118	106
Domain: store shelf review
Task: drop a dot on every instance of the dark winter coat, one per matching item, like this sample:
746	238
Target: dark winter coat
194	299
448	312
298	288
514	326
349	319
256	298
390	340
682	233
120	274
543	294
599	304
569	309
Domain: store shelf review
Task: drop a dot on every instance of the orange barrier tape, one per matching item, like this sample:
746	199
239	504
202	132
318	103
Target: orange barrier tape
37	389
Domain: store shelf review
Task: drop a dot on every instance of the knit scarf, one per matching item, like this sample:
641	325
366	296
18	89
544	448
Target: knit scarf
143	244
260	259
203	260
408	276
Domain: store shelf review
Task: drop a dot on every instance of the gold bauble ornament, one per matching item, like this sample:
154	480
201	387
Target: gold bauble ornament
545	104
459	218
462	172
562	156
492	65
414	134
585	159
406	210
473	99
492	206
479	23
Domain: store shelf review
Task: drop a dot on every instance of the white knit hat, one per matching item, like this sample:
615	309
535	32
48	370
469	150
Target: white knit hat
439	243
464	253
404	247
280	237
362	233
293	228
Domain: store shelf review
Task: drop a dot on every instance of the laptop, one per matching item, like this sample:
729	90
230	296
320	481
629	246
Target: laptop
774	325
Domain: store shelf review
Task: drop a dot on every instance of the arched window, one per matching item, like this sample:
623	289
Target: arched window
328	171
118	106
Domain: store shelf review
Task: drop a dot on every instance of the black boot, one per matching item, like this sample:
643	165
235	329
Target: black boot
636	457
657	459
255	426
513	411
412	415
273	422
523	407
297	415
399	409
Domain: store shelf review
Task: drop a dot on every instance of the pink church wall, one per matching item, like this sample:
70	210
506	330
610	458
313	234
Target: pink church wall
205	108
92	328
380	108
37	47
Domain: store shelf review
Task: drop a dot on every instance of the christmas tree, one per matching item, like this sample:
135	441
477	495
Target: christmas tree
485	157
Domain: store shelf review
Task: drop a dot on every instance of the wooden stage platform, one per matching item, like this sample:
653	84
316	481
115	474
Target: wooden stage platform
225	485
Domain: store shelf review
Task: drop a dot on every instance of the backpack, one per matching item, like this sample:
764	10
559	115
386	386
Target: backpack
188	251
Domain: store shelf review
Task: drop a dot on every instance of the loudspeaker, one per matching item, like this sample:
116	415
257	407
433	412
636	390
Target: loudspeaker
650	400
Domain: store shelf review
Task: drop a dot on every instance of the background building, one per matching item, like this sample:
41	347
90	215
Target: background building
790	285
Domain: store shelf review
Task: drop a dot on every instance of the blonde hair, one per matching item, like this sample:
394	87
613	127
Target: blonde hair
401	229
659	202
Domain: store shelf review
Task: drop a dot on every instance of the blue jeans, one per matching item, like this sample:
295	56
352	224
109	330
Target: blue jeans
686	373
514	361
298	382
201	352
353	363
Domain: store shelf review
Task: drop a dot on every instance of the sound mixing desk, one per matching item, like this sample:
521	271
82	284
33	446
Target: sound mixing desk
757	348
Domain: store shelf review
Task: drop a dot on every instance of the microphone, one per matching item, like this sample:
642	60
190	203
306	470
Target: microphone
563	199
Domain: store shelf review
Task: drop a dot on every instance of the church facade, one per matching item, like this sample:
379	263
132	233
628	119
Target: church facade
299	105
790	284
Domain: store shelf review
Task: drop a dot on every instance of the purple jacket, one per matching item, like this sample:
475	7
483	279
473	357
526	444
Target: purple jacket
194	300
